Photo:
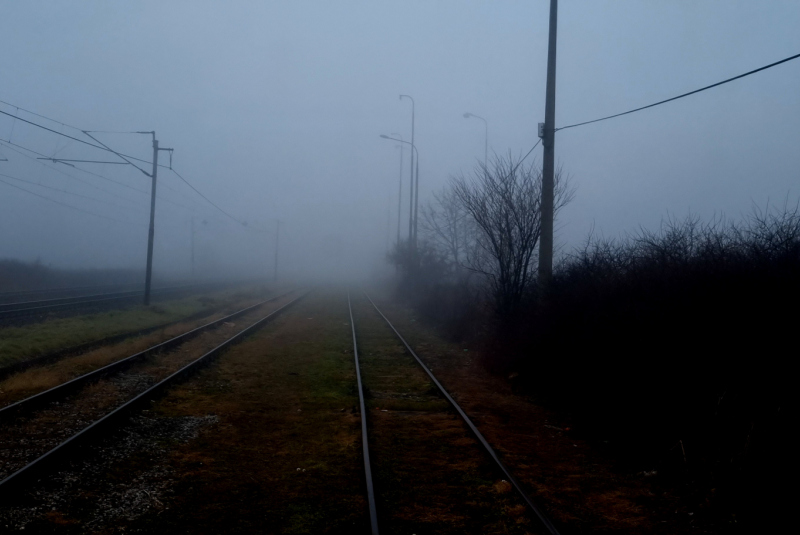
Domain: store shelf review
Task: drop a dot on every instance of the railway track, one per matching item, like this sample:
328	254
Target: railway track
15	310
54	356
64	291
46	431
545	523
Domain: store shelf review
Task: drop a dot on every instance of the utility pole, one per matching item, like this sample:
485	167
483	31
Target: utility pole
411	237
416	206
193	274
151	233
277	237
400	188
548	163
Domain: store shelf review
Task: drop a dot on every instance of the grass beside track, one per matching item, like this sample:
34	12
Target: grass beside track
285	454
29	341
431	476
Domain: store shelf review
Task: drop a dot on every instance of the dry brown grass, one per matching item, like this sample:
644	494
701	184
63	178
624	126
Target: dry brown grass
35	380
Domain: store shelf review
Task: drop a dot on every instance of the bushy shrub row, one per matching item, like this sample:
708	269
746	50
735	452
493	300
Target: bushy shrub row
673	349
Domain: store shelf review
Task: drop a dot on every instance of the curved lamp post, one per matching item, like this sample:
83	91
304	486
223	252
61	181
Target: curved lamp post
412	225
412	221
485	137
400	188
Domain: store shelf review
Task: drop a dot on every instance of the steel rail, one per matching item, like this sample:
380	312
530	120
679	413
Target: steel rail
8	297
538	512
30	308
64	389
38	467
58	354
373	512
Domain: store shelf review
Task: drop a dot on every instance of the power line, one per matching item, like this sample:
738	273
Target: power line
55	131
37	115
74	128
68	205
56	169
523	158
73	166
683	95
139	209
118	154
207	199
108	149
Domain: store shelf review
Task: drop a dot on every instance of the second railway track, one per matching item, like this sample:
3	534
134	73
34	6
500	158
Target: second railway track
410	420
44	431
26	309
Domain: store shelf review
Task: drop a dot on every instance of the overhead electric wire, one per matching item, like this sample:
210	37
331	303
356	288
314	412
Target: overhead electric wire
72	137
108	149
523	158
683	95
69	205
38	115
56	169
206	198
73	166
56	132
135	208
118	154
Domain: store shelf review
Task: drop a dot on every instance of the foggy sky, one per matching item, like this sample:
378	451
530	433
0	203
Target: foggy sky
274	111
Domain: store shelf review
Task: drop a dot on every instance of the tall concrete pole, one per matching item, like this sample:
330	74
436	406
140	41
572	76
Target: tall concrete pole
277	238
411	239
400	193
416	202
193	231
149	275
548	163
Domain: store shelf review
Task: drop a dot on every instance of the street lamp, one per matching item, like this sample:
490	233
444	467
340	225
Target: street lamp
400	188
485	137
412	205
411	224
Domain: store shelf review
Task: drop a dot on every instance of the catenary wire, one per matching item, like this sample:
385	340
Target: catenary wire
160	197
73	166
206	198
70	206
683	95
135	208
108	149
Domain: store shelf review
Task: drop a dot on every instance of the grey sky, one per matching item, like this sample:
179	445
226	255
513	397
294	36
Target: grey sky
274	110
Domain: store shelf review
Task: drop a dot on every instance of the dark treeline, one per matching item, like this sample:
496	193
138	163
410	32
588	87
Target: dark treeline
667	349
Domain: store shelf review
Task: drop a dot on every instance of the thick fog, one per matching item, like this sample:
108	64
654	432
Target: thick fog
274	111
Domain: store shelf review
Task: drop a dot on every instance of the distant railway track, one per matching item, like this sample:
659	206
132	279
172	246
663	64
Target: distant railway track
64	291
58	354
52	443
16	310
544	521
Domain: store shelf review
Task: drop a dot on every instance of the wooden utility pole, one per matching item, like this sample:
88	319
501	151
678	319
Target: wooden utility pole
548	163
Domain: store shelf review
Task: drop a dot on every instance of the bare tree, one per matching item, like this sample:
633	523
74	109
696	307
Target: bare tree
449	228
504	201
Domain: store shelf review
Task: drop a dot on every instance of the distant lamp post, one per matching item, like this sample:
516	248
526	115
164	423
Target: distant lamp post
485	137
413	223
400	188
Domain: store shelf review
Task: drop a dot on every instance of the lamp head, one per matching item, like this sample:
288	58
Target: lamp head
467	115
384	136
